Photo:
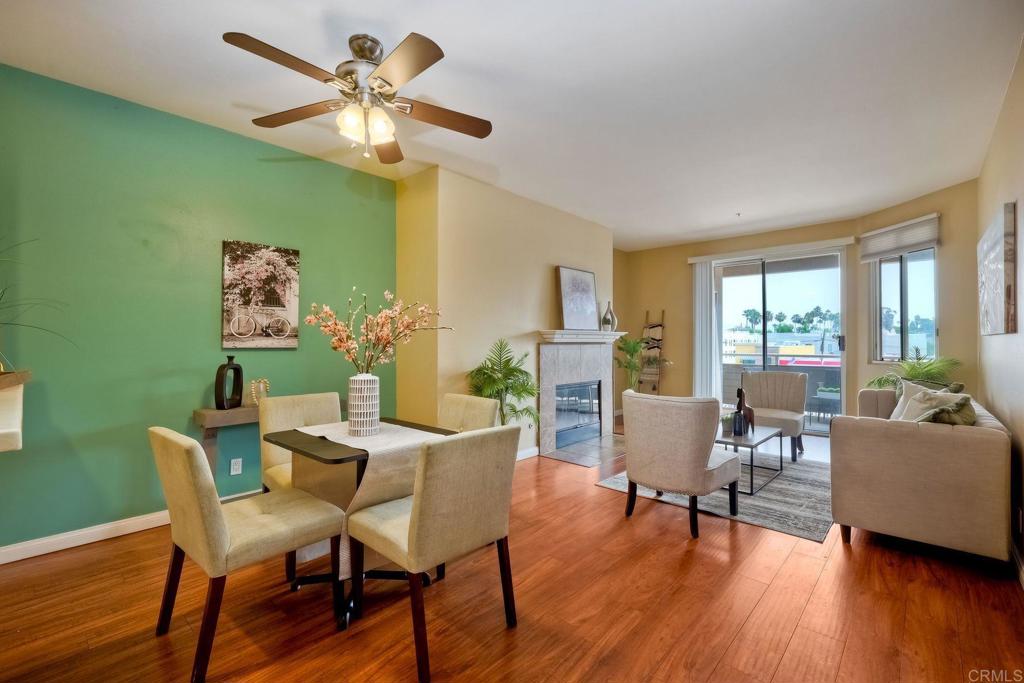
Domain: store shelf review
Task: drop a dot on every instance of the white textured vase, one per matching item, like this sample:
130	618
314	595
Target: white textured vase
363	405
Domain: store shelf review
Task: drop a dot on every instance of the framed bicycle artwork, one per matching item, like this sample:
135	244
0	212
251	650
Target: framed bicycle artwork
259	297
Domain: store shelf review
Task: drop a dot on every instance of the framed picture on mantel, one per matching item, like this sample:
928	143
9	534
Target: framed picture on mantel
578	289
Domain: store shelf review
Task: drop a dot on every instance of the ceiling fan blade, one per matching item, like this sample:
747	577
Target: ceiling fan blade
389	152
261	49
445	118
413	56
298	114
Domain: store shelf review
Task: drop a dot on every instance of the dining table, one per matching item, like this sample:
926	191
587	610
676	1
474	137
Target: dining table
354	472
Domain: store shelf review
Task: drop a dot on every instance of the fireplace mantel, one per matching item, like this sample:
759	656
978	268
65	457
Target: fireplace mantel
579	336
572	361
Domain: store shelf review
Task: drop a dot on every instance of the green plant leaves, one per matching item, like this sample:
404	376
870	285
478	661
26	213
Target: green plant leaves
501	376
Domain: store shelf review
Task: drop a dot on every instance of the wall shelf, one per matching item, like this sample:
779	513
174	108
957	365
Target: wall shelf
12	393
13	379
210	420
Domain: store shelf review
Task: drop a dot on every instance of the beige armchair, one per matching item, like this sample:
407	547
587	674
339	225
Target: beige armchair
460	502
670	446
462	413
779	399
223	538
278	413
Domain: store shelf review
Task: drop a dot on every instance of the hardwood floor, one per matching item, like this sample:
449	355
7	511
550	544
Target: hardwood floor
599	598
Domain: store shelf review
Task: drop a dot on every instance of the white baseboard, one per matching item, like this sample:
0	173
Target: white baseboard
71	539
527	453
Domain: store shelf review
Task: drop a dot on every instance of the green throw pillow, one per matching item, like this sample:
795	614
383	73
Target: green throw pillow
942	407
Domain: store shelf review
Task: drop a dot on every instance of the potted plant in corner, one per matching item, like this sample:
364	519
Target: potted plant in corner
631	360
934	371
501	376
12	382
368	340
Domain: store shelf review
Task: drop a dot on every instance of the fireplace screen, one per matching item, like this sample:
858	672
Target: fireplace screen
577	412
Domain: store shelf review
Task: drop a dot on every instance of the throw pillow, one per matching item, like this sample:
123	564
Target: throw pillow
953	387
941	407
905	391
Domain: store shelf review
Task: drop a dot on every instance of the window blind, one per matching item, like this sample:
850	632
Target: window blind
919	233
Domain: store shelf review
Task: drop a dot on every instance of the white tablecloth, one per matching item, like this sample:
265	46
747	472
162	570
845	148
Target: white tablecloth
391	437
390	474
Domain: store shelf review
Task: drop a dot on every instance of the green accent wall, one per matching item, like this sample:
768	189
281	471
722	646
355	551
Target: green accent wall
128	207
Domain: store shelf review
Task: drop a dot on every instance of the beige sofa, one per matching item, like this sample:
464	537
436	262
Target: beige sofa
934	483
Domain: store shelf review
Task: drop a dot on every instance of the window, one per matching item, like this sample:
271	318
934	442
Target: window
905	304
271	299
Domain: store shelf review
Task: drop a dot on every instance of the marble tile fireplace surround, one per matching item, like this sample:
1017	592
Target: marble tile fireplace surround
571	357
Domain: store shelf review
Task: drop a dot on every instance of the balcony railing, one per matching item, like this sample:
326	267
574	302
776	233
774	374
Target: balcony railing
824	380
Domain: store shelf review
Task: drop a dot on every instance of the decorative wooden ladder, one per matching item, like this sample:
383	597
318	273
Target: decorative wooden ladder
650	369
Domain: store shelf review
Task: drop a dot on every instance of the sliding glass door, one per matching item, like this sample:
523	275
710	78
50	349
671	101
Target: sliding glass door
784	315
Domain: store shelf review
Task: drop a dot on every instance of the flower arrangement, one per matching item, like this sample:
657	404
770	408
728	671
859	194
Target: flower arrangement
372	340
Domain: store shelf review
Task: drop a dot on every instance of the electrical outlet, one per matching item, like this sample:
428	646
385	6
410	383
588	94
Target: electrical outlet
236	466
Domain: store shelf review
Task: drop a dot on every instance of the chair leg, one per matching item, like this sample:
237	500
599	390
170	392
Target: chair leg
163	622
505	566
631	498
355	549
289	566
734	502
844	531
214	594
440	572
694	531
337	590
659	493
800	443
419	627
792	448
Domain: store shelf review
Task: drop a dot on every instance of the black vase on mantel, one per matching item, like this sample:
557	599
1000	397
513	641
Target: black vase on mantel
234	399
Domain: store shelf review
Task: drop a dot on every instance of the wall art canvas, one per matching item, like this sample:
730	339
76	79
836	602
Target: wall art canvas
259	297
579	299
997	274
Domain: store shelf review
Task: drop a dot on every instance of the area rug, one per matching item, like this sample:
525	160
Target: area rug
798	502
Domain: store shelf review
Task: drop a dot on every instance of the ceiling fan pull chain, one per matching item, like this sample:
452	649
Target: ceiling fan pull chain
366	133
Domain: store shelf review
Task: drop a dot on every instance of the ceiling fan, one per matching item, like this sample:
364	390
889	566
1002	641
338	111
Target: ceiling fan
367	86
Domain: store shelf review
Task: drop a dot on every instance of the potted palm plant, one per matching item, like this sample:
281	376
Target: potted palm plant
919	368
12	381
501	376
631	360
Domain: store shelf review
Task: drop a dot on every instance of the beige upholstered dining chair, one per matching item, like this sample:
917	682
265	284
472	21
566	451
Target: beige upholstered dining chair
278	413
221	538
460	502
779	400
670	446
462	413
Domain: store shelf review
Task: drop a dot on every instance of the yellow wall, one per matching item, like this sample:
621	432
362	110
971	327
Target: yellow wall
1000	367
661	278
496	254
620	301
416	280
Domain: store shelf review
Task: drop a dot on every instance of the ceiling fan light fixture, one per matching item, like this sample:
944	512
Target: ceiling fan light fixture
382	128
350	122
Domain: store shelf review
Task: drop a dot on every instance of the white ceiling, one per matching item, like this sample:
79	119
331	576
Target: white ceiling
661	120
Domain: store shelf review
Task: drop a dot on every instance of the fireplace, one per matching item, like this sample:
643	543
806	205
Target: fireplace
575	373
577	412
